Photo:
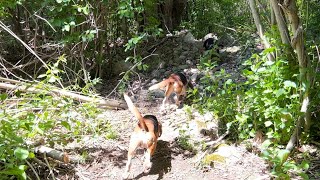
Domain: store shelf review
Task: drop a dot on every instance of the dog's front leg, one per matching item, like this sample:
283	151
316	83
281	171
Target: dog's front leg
147	161
168	92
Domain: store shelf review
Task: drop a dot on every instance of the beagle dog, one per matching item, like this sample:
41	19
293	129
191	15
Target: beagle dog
176	82
145	135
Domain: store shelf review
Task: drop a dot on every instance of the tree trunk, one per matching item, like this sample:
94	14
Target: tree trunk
172	12
272	16
284	33
257	21
283	29
305	75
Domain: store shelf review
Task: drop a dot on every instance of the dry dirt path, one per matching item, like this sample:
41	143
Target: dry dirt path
170	160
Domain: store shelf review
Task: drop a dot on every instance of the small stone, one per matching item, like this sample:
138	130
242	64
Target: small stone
194	77
153	81
182	67
189	62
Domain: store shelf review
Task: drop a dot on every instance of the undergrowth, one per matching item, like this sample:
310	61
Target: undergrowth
27	118
267	100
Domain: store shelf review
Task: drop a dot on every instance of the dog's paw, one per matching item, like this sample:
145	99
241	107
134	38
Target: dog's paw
125	175
147	167
162	110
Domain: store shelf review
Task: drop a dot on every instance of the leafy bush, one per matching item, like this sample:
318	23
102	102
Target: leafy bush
28	117
268	100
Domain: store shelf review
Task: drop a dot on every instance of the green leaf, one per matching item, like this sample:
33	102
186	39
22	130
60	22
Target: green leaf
269	63
283	155
229	81
41	76
21	154
268	123
66	28
3	96
229	125
267	91
52	79
66	125
31	155
288	84
85	10
266	144
262	69
304	175
269	50
280	92
304	165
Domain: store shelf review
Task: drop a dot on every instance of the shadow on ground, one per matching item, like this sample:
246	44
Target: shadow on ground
161	161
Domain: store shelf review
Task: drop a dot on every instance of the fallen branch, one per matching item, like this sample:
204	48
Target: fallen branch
60	92
218	140
54	154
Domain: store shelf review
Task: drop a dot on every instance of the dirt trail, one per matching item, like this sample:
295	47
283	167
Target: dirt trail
170	160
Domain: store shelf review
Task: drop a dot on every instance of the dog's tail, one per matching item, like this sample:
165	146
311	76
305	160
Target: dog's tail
135	111
161	84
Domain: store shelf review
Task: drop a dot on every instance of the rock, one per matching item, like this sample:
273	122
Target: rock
167	73
195	70
185	47
158	93
193	78
121	66
182	67
189	38
155	73
182	58
154	81
185	53
189	62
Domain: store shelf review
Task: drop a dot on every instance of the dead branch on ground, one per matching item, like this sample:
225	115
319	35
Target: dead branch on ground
102	103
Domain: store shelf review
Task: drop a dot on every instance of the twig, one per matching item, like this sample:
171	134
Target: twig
8	69
218	140
200	157
50	169
225	27
3	26
39	162
45	21
33	170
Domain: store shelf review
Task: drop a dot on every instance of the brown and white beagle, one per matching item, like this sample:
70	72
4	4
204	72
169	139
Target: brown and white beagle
176	82
145	135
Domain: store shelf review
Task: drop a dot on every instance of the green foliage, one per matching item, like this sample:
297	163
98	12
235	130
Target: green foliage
273	97
215	16
282	165
184	141
267	100
56	119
